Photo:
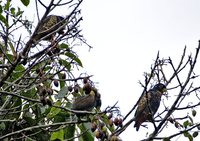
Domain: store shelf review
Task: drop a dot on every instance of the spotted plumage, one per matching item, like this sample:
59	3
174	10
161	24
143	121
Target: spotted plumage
49	25
84	103
148	105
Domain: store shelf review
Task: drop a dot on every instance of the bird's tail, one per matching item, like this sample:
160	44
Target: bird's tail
137	125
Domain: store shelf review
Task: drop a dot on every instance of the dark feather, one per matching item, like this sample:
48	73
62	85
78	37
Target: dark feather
84	103
47	26
148	105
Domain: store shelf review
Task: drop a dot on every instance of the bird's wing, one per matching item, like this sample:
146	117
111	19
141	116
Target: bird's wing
47	24
142	112
143	103
83	103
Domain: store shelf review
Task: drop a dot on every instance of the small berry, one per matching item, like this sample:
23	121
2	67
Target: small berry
94	126
37	70
43	100
101	125
177	125
85	80
170	120
99	134
114	138
48	101
87	88
195	134
194	113
49	91
55	50
76	89
63	75
120	121
110	115
55	83
110	122
116	121
70	88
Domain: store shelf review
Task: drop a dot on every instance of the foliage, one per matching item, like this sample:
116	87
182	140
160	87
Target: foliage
37	82
38	85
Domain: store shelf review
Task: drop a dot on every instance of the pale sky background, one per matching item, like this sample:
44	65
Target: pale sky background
126	36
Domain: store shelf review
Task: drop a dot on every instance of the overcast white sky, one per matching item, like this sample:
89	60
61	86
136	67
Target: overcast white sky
126	36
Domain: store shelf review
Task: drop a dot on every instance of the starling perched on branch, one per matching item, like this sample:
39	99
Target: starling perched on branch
49	25
148	105
84	103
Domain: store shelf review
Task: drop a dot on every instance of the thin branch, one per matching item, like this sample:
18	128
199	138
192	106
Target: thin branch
171	110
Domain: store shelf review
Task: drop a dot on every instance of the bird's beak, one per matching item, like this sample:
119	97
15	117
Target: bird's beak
164	91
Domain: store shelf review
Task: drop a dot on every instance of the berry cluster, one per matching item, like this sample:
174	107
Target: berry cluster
104	126
44	94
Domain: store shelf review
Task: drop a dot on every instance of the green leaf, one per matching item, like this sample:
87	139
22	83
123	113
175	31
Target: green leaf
186	123
12	11
3	19
62	92
10	57
166	139
18	106
75	58
62	83
7	5
69	131
28	114
79	62
190	138
59	135
86	136
188	135
29	119
106	121
66	64
19	12
2	126
1	10
54	111
29	93
12	48
64	46
18	72
25	2
62	116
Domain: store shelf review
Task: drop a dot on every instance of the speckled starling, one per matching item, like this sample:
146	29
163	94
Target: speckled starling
49	25
84	103
148	105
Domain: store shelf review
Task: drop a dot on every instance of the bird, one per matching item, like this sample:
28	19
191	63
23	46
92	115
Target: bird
84	103
148	105
47	26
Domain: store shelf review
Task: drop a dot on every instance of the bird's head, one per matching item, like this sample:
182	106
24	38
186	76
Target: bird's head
160	87
60	18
